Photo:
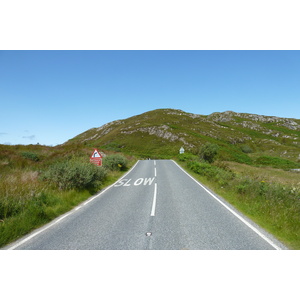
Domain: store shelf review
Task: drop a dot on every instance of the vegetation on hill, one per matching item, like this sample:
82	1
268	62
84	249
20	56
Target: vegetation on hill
244	157
242	138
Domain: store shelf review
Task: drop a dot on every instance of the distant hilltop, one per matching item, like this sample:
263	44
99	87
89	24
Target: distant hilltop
162	132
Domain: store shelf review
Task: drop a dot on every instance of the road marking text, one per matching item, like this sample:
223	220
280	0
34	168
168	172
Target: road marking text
139	181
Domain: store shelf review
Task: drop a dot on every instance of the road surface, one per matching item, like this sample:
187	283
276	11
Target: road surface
156	205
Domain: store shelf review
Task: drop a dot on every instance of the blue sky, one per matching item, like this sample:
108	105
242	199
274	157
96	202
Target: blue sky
48	97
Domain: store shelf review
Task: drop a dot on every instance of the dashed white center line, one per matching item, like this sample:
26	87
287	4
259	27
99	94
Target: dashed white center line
154	172
154	201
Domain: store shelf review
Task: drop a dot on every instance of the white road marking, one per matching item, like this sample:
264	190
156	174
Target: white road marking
121	182
17	244
116	184
154	172
38	232
58	220
148	181
139	181
155	163
85	203
232	211
127	183
30	237
154	201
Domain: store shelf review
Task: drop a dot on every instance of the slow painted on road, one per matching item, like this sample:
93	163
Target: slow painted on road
156	205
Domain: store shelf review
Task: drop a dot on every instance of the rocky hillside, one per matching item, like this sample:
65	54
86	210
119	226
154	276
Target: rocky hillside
160	133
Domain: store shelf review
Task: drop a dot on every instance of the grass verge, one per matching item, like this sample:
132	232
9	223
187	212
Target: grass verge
273	206
28	203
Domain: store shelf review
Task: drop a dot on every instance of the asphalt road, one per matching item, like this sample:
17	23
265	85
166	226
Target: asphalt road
156	205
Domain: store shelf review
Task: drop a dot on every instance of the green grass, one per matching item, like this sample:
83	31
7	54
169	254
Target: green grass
43	208
276	162
28	199
236	142
40	211
274	206
284	130
266	173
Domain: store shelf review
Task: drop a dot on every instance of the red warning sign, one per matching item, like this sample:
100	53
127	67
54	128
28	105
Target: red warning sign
96	158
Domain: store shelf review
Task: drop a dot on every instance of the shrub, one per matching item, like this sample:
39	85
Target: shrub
246	149
244	185
115	162
30	155
74	174
208	152
221	176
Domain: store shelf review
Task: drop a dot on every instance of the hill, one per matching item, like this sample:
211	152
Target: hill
242	137
254	155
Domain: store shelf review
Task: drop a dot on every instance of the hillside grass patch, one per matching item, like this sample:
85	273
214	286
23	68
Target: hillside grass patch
276	162
266	173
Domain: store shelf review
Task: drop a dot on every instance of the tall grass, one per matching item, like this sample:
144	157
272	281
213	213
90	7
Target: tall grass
274	206
35	193
37	211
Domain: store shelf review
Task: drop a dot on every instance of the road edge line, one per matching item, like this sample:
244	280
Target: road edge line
232	211
61	217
